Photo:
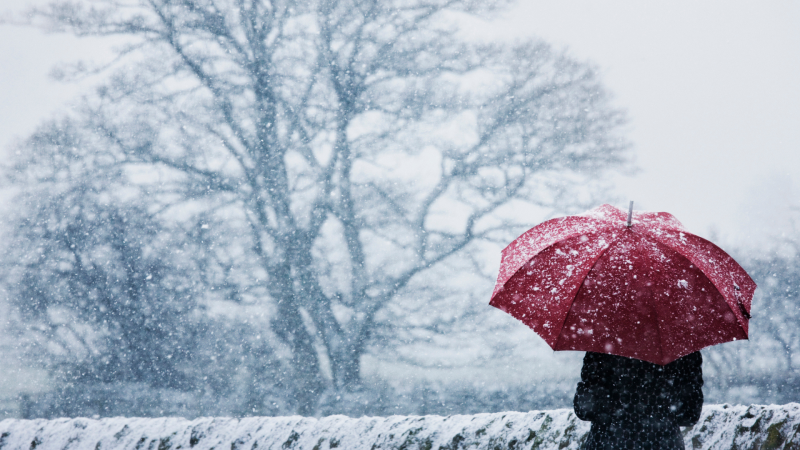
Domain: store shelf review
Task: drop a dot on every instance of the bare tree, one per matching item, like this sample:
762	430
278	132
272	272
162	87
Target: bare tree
335	151
104	299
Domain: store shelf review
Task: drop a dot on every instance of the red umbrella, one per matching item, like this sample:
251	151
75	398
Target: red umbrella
642	287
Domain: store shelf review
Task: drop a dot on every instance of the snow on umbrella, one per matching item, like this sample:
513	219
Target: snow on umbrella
642	287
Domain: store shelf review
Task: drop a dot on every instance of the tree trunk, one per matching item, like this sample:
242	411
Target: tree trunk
348	369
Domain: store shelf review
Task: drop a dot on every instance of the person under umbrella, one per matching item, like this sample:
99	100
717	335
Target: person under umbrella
641	296
635	404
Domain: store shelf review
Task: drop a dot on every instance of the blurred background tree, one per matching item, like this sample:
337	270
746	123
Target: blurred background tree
263	192
767	368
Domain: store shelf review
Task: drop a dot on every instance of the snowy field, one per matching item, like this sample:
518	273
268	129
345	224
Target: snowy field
720	427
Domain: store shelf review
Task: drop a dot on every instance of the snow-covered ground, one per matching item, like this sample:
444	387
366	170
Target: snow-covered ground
720	427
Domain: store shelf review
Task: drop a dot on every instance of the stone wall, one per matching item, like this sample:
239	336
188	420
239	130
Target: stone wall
720	427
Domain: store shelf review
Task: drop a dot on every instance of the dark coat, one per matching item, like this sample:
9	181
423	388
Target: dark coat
635	404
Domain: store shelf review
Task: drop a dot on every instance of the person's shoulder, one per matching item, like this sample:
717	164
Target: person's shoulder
694	359
606	360
598	357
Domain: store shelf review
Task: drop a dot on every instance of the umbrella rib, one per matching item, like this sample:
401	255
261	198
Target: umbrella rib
710	279
651	299
678	254
544	249
658	328
566	316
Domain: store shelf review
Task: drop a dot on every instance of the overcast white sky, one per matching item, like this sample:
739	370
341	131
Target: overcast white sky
713	95
711	89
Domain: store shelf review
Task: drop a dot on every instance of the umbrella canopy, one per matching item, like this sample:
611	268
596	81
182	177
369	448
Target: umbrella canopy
649	290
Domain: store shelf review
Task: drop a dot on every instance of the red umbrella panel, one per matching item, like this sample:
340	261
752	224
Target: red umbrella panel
651	290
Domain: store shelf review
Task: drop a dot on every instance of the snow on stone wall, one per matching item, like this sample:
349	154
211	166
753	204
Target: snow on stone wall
720	427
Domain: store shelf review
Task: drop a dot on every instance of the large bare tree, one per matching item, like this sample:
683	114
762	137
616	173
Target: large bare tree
330	153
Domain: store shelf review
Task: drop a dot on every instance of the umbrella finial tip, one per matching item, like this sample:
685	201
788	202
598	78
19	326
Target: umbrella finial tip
630	213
